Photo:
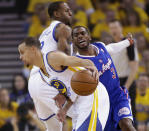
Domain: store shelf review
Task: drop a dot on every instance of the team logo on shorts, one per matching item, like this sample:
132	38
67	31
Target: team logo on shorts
59	85
124	111
100	61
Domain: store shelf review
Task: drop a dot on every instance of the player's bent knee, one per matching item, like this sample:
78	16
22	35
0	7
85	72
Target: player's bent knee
126	125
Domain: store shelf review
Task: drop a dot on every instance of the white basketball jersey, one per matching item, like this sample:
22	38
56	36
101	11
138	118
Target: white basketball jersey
47	38
58	79
48	41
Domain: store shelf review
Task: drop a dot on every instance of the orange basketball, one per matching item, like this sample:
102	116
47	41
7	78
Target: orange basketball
83	83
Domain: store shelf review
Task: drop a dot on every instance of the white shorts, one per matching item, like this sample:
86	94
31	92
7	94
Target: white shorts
91	111
42	95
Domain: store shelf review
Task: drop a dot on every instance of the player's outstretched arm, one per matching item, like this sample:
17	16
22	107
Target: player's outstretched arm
114	48
57	59
63	36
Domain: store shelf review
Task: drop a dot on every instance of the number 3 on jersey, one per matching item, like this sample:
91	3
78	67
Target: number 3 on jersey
114	75
42	44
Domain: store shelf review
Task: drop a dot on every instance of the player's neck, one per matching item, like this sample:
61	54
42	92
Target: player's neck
90	51
118	38
38	61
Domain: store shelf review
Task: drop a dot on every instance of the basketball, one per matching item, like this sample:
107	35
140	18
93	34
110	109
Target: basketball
83	83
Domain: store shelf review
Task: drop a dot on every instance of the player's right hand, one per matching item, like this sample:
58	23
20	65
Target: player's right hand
60	100
130	38
61	115
94	71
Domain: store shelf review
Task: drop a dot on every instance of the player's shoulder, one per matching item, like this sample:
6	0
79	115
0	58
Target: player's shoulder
49	29
99	44
63	27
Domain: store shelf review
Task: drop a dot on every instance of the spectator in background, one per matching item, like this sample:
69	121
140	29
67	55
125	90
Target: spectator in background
32	4
146	59
135	26
126	62
101	30
99	15
80	17
87	6
129	5
27	118
142	102
7	112
19	90
33	16
141	45
40	22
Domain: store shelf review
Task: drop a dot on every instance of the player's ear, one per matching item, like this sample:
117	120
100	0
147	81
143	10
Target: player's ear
56	14
33	48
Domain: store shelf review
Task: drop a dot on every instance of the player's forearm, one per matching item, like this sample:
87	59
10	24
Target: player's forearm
75	61
63	111
131	77
64	46
67	105
126	125
114	48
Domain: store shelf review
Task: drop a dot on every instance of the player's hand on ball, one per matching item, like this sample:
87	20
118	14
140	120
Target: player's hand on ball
130	38
94	71
60	100
61	115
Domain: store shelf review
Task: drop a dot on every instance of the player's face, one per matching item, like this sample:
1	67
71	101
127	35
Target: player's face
143	83
65	13
4	97
26	54
81	38
115	29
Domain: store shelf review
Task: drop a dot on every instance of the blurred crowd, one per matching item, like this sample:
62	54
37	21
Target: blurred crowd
17	112
97	15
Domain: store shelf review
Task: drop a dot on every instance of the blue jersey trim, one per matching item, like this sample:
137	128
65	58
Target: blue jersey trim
52	67
48	117
53	33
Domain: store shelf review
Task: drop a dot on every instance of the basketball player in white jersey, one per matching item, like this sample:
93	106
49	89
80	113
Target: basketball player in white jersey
53	66
56	37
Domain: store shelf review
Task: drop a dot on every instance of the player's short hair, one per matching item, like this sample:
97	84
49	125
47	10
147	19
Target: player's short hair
79	26
54	6
32	41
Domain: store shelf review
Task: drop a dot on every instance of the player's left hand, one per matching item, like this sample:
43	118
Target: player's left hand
61	114
130	38
94	71
60	100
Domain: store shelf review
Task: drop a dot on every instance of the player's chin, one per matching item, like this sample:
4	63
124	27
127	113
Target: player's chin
82	47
